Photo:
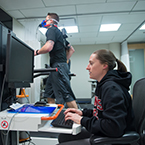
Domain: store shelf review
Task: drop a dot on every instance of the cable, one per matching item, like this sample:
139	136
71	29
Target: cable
1	96
2	137
30	140
2	90
7	134
31	143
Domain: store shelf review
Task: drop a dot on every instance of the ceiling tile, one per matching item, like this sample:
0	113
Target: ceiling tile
16	14
108	1
89	28
128	18
119	39
82	35
21	4
90	40
140	5
62	10
128	26
106	7
70	2
89	20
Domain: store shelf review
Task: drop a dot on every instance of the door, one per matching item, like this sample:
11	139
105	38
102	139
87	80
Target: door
136	57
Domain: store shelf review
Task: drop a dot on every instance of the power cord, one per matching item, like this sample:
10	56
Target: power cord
31	143
1	96
2	90
7	134
2	137
30	140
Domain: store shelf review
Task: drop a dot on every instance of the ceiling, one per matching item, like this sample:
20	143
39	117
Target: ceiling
88	15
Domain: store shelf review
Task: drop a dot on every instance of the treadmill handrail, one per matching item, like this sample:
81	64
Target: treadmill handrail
45	70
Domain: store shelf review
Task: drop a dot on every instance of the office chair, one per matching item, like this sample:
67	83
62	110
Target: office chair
129	137
139	111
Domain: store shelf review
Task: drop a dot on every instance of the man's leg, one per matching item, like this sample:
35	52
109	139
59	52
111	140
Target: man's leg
51	100
49	91
61	86
65	88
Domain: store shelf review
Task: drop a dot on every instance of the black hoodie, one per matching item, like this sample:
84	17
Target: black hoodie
112	114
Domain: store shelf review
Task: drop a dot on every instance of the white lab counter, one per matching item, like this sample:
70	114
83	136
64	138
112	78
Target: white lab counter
32	122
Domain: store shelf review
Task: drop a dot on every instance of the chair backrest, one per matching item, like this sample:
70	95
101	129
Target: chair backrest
139	104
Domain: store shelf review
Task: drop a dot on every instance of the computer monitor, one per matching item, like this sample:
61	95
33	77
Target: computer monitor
6	19
19	63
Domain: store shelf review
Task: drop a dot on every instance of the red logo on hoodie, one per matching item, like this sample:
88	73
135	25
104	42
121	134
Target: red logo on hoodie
97	106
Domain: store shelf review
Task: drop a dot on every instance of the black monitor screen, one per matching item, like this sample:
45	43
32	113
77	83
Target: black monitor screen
6	19
19	63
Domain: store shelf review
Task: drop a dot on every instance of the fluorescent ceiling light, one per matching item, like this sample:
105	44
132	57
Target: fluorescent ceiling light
69	29
142	27
109	27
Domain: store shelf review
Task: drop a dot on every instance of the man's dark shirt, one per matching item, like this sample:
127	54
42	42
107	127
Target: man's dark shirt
58	53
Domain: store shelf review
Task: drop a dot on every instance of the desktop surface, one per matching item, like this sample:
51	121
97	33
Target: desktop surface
33	122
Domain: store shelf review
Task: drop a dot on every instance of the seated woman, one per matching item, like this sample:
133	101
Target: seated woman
112	114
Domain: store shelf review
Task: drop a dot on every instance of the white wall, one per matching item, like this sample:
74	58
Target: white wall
125	55
79	62
18	29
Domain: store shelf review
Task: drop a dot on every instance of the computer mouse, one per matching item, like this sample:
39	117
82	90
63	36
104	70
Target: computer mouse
40	103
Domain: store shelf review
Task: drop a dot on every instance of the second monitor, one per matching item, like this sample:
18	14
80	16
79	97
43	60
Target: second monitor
19	63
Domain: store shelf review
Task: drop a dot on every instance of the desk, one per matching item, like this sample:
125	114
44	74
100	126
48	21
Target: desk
32	122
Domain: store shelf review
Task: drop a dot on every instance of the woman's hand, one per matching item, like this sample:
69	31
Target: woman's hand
74	115
73	110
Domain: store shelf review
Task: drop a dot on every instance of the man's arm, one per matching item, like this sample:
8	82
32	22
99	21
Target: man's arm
47	47
69	52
